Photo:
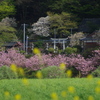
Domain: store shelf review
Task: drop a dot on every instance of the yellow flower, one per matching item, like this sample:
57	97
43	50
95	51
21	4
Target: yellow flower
6	93
36	51
13	67
76	98
25	81
17	97
69	73
21	71
98	82
97	89
54	96
89	77
63	93
62	66
90	98
39	74
71	89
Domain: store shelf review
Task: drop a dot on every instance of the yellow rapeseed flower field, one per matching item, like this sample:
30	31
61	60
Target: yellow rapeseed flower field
90	98
76	98
62	66
17	97
6	93
54	96
89	77
13	67
97	90
63	93
71	89
25	81
21	71
69	73
98	82
39	75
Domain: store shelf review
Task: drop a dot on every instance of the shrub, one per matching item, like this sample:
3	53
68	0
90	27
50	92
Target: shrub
28	55
75	72
60	51
7	73
89	51
96	73
22	51
70	50
51	50
28	73
39	44
79	48
53	72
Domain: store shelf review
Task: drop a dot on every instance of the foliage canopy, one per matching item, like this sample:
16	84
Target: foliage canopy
62	23
7	8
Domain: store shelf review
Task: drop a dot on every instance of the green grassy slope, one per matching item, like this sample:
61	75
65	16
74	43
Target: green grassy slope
42	89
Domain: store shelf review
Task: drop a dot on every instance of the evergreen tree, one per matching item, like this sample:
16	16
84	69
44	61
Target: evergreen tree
7	8
61	24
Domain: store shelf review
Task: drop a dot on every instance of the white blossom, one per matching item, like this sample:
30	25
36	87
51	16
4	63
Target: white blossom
41	27
8	22
74	39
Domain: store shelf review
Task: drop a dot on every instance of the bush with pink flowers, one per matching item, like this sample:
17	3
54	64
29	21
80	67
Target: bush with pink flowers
12	57
34	63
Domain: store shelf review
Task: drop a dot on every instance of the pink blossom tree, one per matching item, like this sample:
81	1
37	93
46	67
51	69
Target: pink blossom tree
78	62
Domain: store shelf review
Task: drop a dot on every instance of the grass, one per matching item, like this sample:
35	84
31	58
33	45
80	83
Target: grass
42	89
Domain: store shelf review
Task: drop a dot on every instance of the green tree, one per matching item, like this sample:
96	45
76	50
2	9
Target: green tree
7	30
29	11
7	34
62	23
7	8
87	8
82	8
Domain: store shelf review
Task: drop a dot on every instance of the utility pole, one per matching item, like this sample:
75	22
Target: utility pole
24	37
71	36
24	43
27	44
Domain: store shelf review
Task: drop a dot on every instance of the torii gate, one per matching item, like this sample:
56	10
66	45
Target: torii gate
59	40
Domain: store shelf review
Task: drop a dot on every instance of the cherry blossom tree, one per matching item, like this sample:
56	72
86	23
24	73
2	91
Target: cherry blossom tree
41	27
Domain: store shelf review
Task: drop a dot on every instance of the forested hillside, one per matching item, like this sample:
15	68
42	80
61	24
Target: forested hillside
64	14
33	9
30	10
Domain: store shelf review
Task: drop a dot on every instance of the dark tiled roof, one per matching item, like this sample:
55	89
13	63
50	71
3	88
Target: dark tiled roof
11	44
87	39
